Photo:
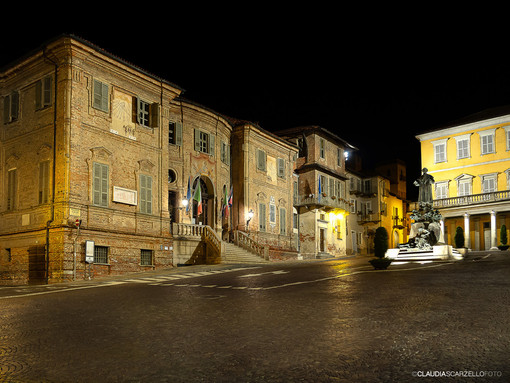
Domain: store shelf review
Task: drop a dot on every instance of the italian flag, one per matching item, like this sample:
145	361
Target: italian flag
198	197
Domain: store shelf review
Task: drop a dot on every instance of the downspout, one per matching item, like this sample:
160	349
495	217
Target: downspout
52	206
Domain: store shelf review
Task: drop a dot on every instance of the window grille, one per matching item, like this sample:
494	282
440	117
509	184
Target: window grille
100	254
146	258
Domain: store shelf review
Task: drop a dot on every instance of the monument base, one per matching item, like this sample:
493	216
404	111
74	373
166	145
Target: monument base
438	253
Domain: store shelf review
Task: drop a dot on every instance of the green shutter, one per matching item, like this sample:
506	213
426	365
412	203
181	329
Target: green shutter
197	140
100	185
178	134
262	217
212	146
145	194
283	221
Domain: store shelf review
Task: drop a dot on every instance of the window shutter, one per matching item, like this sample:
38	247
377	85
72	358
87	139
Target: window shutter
178	134
100	185
281	168
14	105
197	140
283	223
11	189
261	160
38	95
7	107
212	146
104	185
154	113
262	217
145	194
47	91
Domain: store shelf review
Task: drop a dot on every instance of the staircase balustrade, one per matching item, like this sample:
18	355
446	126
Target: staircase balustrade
244	241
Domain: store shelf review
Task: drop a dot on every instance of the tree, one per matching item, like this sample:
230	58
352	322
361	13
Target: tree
380	242
459	237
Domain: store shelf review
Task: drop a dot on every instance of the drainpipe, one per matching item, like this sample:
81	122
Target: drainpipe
52	207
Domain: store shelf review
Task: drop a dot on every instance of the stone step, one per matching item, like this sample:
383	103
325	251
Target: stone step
235	254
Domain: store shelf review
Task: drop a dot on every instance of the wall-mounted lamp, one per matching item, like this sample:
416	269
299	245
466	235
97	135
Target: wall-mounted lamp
250	216
184	203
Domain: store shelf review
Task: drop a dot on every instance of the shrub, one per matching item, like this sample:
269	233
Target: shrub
380	242
459	237
502	236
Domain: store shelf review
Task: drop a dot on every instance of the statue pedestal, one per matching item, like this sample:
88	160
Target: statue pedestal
437	253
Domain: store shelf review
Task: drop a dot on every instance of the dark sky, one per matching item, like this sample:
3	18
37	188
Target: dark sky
377	90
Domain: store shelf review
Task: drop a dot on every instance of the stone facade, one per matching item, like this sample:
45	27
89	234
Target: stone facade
85	141
95	150
263	179
320	200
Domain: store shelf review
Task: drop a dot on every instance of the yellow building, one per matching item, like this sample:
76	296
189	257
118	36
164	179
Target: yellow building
470	162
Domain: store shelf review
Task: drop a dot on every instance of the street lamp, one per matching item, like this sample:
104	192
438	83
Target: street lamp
250	216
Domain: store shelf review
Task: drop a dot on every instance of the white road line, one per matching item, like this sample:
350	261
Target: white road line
63	290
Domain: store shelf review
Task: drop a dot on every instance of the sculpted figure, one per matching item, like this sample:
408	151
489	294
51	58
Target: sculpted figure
425	183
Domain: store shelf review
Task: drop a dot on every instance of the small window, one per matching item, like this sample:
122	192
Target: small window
175	133
171	176
100	96
440	153
43	92
11	107
322	145
487	143
146	257
101	254
225	153
204	142
147	114
462	149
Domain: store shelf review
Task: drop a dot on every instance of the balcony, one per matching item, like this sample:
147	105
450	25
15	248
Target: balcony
368	218
473	199
327	203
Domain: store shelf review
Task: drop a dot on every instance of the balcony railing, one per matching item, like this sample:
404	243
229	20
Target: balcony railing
326	202
473	199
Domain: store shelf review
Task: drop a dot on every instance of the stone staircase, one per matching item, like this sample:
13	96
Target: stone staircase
236	255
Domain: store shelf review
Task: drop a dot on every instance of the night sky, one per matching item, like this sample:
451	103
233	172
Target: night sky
376	91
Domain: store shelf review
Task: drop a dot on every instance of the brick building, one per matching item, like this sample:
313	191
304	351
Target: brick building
89	140
321	191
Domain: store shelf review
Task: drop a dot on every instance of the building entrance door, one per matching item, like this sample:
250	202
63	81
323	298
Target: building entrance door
322	240
206	217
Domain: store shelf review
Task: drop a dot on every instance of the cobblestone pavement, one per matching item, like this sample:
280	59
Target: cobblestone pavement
333	321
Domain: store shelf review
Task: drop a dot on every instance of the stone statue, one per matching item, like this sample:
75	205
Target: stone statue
425	183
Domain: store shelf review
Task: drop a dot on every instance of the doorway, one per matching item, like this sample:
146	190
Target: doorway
322	240
206	217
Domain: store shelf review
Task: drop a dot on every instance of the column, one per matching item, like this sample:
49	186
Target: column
494	236
467	244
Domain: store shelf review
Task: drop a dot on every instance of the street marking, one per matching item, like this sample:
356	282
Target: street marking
210	286
224	287
269	272
108	284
